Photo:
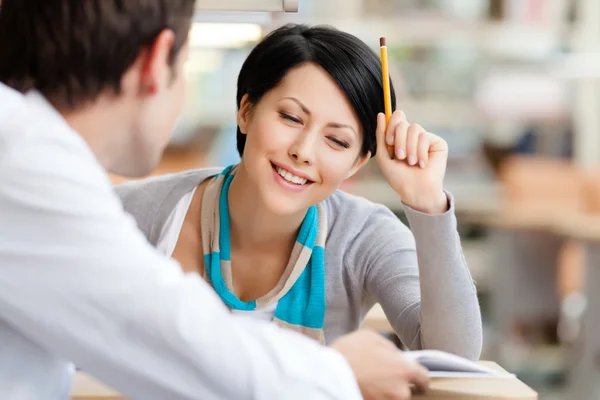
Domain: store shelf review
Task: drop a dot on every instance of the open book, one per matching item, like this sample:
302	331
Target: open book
445	365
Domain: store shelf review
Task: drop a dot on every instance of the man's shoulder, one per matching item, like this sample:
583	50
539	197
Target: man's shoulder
11	101
36	133
13	108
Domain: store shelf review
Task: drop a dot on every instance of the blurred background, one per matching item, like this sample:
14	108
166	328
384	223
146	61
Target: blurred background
512	85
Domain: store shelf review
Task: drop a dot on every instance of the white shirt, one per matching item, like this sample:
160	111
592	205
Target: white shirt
167	240
79	282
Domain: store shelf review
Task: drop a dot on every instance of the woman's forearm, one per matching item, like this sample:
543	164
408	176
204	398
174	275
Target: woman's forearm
450	314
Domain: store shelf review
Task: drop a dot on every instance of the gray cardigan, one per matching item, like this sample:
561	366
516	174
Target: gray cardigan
420	278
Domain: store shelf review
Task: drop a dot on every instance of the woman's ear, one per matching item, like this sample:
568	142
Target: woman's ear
360	162
243	115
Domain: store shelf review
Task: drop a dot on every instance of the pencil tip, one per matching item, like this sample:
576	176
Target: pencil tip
382	41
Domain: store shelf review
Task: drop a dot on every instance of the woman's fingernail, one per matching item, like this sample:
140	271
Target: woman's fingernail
401	154
412	160
422	164
390	140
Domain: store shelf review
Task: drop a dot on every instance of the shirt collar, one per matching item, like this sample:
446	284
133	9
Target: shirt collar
40	105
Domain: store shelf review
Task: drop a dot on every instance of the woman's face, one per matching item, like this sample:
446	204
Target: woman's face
303	140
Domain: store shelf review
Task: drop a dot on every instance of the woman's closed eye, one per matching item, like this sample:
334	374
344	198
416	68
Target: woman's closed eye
339	142
290	118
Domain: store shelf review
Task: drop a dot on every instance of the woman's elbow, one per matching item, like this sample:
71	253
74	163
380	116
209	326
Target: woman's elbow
468	345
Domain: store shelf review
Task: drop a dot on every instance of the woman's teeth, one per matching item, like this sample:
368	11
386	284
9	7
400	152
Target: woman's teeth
290	177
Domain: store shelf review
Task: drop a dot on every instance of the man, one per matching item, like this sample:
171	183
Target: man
78	281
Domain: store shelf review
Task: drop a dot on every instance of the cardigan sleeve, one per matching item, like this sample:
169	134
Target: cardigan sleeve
421	279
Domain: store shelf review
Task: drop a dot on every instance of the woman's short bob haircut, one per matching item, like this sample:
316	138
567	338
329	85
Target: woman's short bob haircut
349	61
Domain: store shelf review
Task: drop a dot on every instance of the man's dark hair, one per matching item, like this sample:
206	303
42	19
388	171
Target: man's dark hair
350	62
73	50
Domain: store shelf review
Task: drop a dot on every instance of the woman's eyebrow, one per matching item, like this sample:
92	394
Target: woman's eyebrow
338	125
302	106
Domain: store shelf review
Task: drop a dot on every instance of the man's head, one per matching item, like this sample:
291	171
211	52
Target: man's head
112	64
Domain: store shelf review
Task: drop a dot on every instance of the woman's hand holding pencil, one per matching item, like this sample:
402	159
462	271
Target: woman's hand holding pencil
412	159
417	168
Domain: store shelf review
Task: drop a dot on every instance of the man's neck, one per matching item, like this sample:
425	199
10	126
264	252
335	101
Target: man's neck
101	126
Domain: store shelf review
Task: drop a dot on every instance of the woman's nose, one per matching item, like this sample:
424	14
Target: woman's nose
302	151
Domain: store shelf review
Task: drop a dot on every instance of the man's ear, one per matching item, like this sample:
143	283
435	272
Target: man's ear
243	115
361	161
156	71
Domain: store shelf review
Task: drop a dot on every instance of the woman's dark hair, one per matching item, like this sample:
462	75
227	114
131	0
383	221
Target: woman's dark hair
349	61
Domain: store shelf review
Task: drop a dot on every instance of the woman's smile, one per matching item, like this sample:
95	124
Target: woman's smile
290	179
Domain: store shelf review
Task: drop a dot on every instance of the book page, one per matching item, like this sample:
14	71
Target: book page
442	364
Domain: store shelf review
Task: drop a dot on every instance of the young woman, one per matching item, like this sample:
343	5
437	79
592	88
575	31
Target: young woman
275	237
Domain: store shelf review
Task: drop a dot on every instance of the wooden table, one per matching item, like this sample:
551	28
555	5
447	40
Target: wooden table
86	388
173	160
478	388
584	374
377	320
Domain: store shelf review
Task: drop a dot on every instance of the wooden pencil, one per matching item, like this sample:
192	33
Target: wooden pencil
387	95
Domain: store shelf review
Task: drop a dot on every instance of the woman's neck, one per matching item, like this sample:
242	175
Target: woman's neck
252	226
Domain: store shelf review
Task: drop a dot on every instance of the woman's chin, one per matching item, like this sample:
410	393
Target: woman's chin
284	206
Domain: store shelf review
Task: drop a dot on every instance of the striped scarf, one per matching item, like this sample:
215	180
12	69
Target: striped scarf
300	293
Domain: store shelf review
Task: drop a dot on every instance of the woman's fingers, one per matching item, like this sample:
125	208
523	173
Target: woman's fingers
396	118
410	142
400	137
423	149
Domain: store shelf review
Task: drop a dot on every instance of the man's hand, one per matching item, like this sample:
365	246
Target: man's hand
381	370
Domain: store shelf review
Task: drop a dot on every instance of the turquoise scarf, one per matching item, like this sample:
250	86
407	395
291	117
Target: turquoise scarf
300	293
